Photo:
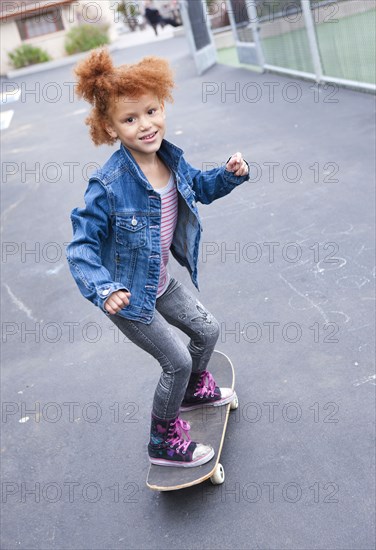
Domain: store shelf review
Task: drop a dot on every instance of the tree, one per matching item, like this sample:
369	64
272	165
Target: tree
129	11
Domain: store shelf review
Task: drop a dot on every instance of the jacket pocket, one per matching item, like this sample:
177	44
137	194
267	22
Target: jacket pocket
130	231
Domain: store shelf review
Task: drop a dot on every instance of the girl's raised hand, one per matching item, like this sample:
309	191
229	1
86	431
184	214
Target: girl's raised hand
117	301
237	165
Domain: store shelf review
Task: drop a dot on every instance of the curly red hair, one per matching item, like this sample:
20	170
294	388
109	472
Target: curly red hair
100	83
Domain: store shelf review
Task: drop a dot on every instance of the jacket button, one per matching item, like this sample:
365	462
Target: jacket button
134	221
105	292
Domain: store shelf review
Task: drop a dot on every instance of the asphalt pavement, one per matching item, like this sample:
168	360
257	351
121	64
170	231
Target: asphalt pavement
287	266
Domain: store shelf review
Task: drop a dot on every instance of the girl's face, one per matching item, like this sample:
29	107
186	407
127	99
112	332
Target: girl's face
139	124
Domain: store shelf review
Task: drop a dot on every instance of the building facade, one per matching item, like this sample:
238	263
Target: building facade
45	24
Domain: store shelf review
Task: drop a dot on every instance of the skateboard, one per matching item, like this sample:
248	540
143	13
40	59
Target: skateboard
208	425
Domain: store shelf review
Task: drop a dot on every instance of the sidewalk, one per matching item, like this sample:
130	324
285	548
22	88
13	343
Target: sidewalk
144	37
127	40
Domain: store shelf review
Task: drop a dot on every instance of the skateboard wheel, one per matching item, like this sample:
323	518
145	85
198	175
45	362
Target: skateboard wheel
234	403
219	475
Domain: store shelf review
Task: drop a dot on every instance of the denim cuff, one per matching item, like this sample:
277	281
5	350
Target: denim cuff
105	291
237	180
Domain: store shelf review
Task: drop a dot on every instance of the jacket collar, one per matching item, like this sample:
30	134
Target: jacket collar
170	154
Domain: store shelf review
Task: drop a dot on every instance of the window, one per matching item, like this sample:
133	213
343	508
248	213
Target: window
43	23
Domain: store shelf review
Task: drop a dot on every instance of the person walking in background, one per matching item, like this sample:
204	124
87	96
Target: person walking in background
154	18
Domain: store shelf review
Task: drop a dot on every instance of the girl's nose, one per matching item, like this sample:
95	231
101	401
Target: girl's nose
145	124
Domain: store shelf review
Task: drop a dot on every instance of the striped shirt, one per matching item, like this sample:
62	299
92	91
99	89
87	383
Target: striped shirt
169	207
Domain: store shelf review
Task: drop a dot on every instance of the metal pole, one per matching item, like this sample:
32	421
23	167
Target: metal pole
183	4
206	12
232	20
311	33
255	26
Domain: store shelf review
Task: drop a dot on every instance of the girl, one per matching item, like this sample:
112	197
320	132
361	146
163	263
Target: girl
139	206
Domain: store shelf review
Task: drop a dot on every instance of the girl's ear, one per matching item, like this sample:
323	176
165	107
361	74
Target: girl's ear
163	109
110	131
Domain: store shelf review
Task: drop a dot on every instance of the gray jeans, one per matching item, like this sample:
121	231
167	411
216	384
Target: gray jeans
177	306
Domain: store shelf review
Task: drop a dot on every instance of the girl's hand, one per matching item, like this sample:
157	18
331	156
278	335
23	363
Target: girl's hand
237	165
117	301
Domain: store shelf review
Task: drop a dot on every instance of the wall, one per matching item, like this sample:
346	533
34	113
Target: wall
53	43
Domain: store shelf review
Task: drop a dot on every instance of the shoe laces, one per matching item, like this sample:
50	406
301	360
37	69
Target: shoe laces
178	435
206	385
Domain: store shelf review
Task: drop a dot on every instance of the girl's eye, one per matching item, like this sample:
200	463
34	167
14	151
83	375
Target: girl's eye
152	111
129	120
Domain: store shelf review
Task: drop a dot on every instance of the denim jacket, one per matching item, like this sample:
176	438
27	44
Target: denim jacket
116	236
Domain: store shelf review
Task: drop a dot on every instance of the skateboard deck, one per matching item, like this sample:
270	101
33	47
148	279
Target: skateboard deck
208	426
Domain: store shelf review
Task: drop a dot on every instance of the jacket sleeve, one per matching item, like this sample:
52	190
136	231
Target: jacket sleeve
90	228
213	184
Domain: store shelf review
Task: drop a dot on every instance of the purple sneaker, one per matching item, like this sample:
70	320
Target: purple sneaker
170	444
202	390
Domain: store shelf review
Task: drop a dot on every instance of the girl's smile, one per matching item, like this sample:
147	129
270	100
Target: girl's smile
149	137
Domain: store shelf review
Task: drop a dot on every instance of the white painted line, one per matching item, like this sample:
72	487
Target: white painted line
21	306
365	380
77	112
5	119
55	270
10	97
